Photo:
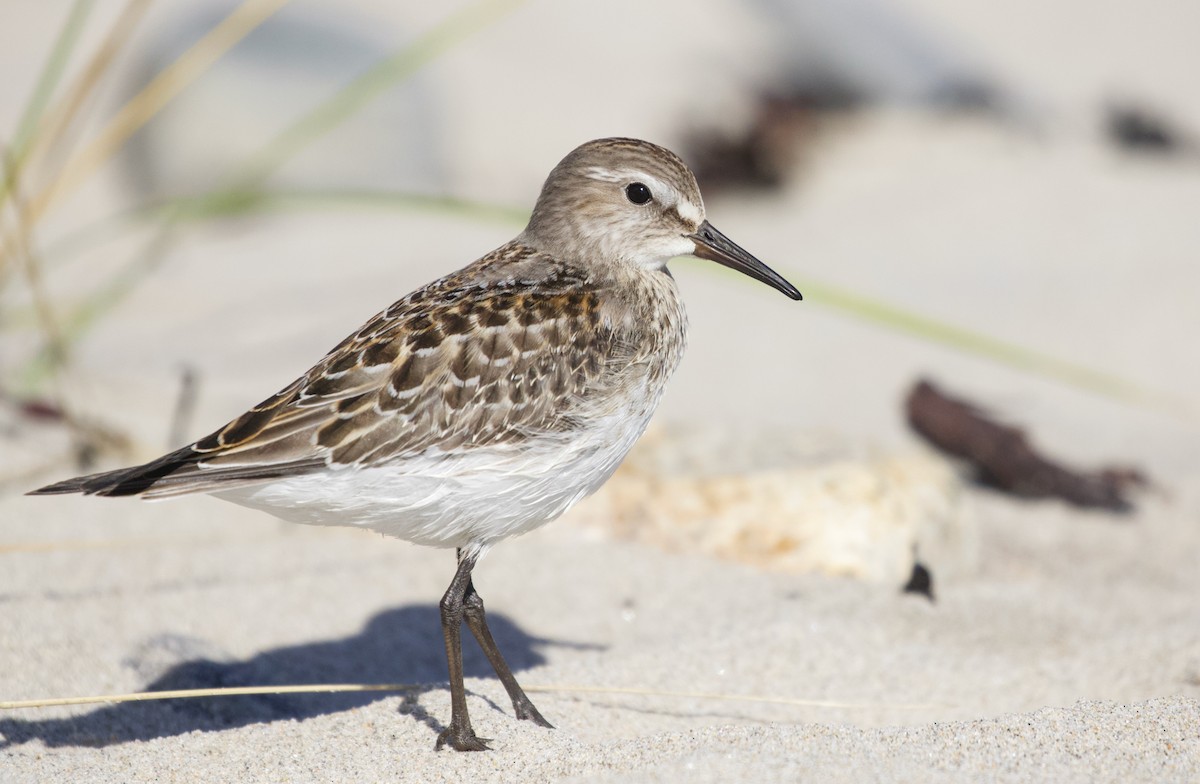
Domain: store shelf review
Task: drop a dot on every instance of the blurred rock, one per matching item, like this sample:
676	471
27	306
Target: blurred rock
790	501
920	582
1137	129
763	154
870	51
837	56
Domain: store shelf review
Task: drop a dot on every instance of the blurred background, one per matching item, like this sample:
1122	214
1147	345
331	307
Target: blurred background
202	197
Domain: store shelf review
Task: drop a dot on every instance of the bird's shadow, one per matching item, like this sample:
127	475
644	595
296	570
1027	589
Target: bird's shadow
402	645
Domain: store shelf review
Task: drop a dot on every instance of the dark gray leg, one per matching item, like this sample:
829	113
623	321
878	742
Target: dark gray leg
476	620
459	734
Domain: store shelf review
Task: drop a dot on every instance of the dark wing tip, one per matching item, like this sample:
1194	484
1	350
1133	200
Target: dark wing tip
110	483
64	487
123	481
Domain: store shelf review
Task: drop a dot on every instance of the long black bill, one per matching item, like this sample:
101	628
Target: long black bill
715	246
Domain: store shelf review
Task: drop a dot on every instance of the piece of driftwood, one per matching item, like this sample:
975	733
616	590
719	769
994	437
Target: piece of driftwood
1005	459
37	409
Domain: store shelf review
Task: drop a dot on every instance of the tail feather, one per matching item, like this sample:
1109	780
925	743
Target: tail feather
179	473
124	481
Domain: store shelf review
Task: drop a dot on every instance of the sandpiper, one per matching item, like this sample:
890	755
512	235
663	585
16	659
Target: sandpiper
490	401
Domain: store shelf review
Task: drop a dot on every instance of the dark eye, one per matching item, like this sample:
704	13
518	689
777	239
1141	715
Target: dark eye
637	193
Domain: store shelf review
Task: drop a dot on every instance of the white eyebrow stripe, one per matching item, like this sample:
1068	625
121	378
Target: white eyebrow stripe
605	175
661	191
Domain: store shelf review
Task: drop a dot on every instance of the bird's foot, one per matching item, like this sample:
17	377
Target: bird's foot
526	712
461	738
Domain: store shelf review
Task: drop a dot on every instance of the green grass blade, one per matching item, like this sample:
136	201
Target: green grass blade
51	73
986	347
351	98
33	374
172	214
238	204
241	203
891	317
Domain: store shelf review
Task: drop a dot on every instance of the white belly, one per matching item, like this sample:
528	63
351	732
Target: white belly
469	500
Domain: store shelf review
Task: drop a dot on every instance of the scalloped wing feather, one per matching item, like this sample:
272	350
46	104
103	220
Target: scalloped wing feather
502	351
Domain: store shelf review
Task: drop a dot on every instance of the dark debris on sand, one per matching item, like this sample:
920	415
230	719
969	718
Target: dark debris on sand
1005	459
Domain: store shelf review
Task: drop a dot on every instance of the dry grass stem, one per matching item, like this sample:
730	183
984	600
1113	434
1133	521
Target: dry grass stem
52	131
326	688
171	81
52	70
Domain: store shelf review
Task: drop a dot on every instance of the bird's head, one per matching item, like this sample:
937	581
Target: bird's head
626	201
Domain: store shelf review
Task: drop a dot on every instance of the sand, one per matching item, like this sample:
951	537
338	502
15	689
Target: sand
1071	652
